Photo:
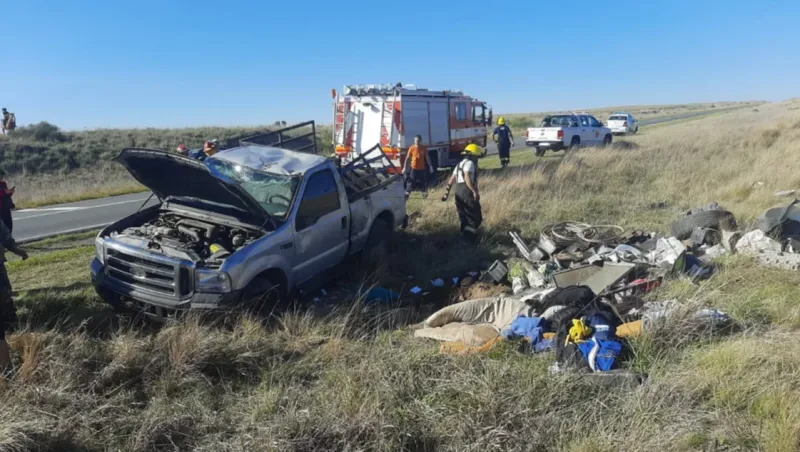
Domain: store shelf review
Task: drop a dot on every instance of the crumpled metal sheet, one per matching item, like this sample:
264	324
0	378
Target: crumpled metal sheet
596	277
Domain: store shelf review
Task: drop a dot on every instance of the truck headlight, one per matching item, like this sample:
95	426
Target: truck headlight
99	250
211	281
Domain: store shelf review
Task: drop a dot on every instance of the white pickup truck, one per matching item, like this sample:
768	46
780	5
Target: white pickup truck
567	131
253	220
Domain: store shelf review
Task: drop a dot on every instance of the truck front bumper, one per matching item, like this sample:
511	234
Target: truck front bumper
158	307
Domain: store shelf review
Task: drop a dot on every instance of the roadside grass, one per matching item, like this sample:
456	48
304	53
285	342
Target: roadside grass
344	381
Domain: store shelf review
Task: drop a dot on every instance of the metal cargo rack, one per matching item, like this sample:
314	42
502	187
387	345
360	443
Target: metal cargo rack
369	172
300	141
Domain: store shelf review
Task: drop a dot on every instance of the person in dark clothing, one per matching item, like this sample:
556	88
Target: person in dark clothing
8	314
209	148
468	200
505	140
6	203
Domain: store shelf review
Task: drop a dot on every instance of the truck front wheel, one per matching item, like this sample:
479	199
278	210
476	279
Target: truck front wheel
264	296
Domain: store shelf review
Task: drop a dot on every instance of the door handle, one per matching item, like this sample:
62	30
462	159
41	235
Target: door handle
344	222
286	246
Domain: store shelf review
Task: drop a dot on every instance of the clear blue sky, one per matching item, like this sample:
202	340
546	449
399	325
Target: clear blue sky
177	63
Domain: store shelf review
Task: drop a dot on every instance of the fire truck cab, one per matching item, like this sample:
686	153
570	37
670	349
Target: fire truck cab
392	115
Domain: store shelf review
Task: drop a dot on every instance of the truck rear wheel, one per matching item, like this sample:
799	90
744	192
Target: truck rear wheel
575	144
377	248
538	151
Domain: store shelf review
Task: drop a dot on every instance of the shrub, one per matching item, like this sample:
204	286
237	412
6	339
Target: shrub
43	131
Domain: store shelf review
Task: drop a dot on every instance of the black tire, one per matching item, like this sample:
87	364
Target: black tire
607	140
378	245
538	151
575	144
264	296
721	220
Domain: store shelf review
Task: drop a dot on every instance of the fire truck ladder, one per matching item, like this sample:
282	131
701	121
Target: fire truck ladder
348	127
387	122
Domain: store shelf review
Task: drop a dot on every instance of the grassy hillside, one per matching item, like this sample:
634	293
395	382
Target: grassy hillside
358	380
49	165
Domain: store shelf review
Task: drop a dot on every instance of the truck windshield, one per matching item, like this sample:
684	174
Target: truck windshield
274	192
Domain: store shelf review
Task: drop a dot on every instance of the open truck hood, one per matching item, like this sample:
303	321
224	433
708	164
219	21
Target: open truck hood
173	177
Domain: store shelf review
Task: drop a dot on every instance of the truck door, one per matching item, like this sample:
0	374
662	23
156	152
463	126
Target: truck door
587	131
322	226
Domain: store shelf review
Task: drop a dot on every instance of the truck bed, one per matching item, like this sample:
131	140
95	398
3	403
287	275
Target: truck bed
367	173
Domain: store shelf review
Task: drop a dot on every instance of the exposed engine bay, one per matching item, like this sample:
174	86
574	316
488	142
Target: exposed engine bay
186	238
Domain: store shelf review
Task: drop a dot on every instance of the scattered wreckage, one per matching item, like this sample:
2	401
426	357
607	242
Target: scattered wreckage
578	288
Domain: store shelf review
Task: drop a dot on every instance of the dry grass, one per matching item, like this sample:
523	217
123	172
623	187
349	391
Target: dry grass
347	382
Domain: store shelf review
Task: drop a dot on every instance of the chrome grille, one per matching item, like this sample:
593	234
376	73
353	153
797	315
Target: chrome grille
143	271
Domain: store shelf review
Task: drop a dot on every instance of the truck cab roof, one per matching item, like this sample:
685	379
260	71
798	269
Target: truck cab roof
271	159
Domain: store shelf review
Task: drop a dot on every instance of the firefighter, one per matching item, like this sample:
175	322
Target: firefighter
505	140
417	164
468	199
209	148
8	315
183	150
9	121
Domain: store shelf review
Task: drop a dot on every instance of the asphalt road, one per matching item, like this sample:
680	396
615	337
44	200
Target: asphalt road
39	223
33	224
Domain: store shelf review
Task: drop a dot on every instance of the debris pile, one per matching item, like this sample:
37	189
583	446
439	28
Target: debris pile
580	289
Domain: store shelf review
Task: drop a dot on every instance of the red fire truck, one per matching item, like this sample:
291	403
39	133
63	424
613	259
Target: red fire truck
392	115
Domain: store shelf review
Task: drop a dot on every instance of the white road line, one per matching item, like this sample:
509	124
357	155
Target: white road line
67	231
42	215
46	209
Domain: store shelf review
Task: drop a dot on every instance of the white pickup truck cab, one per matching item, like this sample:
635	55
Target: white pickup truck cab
622	123
567	131
249	221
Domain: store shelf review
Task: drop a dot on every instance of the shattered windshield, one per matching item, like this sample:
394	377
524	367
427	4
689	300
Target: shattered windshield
274	192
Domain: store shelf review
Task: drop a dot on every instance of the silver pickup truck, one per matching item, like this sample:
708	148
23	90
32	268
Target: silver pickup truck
251	220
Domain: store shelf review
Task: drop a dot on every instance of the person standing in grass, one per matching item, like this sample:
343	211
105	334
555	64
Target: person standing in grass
419	163
468	199
8	313
6	203
9	121
505	141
